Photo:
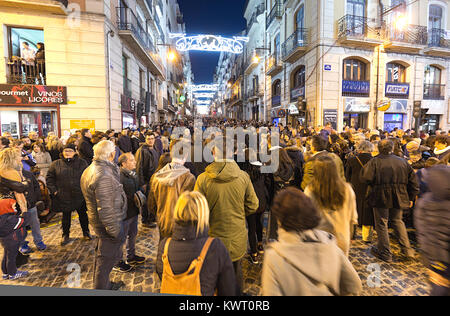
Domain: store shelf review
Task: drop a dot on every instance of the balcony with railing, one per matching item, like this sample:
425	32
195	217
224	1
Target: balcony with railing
411	39
438	43
275	13
360	31
274	65
276	100
295	46
20	72
138	39
434	91
355	88
256	17
296	93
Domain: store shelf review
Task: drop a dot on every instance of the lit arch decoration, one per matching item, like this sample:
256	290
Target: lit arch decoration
210	43
205	87
208	95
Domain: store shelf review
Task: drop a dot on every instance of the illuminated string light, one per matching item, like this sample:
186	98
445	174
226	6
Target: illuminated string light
210	43
205	87
204	95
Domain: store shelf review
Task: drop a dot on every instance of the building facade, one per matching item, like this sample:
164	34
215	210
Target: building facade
99	64
358	63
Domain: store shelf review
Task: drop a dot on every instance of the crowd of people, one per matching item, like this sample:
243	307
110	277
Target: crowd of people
210	215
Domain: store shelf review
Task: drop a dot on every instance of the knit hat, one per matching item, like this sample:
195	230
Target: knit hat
412	146
70	146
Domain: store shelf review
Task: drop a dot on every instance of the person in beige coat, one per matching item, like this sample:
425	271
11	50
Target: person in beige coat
336	201
43	159
166	186
305	261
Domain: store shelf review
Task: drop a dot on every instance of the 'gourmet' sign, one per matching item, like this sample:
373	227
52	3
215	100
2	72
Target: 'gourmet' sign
32	95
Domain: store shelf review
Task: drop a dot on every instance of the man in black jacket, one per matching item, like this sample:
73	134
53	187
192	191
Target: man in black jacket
147	159
394	187
130	183
85	148
124	141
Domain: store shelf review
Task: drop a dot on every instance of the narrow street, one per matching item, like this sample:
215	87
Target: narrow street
50	267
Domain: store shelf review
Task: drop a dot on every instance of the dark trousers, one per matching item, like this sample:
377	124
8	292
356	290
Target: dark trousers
237	265
67	220
255	231
273	227
10	246
130	228
107	254
382	217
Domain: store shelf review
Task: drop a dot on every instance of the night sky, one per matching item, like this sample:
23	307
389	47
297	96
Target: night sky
216	17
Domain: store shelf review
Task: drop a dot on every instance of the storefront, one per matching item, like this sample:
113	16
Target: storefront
31	108
128	106
356	112
433	111
396	115
278	116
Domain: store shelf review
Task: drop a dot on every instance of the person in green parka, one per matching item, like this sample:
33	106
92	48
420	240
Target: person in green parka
231	197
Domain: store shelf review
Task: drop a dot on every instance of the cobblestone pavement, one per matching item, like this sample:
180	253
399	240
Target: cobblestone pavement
52	267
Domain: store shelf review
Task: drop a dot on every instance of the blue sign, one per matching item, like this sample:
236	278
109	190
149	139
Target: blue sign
327	67
397	88
362	87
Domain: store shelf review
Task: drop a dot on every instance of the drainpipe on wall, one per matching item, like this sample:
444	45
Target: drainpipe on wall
110	33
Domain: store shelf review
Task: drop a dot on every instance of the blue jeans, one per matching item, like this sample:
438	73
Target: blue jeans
130	228
35	226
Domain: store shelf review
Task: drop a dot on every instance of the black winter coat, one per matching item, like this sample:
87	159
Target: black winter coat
33	193
217	271
130	186
352	172
124	143
85	149
147	160
392	180
297	158
432	216
64	177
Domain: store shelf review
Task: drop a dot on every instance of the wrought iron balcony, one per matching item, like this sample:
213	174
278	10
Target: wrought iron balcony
434	91
276	100
360	31
18	72
276	12
274	65
411	39
437	38
356	88
260	9
295	45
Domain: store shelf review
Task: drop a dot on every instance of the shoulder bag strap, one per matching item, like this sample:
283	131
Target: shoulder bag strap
205	249
359	161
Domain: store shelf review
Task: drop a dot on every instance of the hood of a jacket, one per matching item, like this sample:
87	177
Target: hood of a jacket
170	173
316	247
223	171
437	180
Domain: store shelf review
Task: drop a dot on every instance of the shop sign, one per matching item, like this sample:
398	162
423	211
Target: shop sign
298	92
293	110
397	89
434	106
362	87
128	104
32	95
80	124
398	106
356	105
330	116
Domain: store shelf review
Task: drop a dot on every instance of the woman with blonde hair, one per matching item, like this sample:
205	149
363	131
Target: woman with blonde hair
336	201
190	262
12	219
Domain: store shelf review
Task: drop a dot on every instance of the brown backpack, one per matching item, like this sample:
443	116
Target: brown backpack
187	283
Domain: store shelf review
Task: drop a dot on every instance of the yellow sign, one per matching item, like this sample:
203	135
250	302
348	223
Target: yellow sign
384	105
79	124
